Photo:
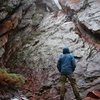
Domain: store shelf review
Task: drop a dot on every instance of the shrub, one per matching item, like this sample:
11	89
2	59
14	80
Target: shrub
10	80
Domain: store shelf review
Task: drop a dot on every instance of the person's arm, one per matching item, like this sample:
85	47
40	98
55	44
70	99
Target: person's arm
59	65
73	63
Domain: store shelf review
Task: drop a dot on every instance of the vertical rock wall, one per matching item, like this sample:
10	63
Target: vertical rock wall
19	20
32	40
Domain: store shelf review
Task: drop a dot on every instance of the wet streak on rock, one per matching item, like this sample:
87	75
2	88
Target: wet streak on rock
88	35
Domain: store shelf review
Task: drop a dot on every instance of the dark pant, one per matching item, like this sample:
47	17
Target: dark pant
72	80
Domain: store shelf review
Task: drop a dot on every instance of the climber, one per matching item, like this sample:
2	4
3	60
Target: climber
66	66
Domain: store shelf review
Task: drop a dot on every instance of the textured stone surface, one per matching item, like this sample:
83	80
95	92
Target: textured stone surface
35	53
41	52
21	19
88	13
90	17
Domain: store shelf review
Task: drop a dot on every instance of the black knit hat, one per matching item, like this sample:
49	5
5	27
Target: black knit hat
66	50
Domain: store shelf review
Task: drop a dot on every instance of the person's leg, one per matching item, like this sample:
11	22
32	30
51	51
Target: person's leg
62	87
74	86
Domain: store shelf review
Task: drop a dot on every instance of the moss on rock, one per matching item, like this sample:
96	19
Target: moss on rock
10	80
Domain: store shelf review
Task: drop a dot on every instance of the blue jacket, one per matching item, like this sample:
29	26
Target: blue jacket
66	63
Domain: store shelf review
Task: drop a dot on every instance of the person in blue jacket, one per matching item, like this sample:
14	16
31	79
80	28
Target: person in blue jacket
66	66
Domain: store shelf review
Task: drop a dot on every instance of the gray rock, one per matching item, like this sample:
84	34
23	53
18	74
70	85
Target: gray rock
90	17
88	13
40	50
3	15
2	50
37	19
13	3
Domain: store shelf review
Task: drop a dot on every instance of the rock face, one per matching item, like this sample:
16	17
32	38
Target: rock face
90	17
40	53
18	19
35	42
21	14
88	13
